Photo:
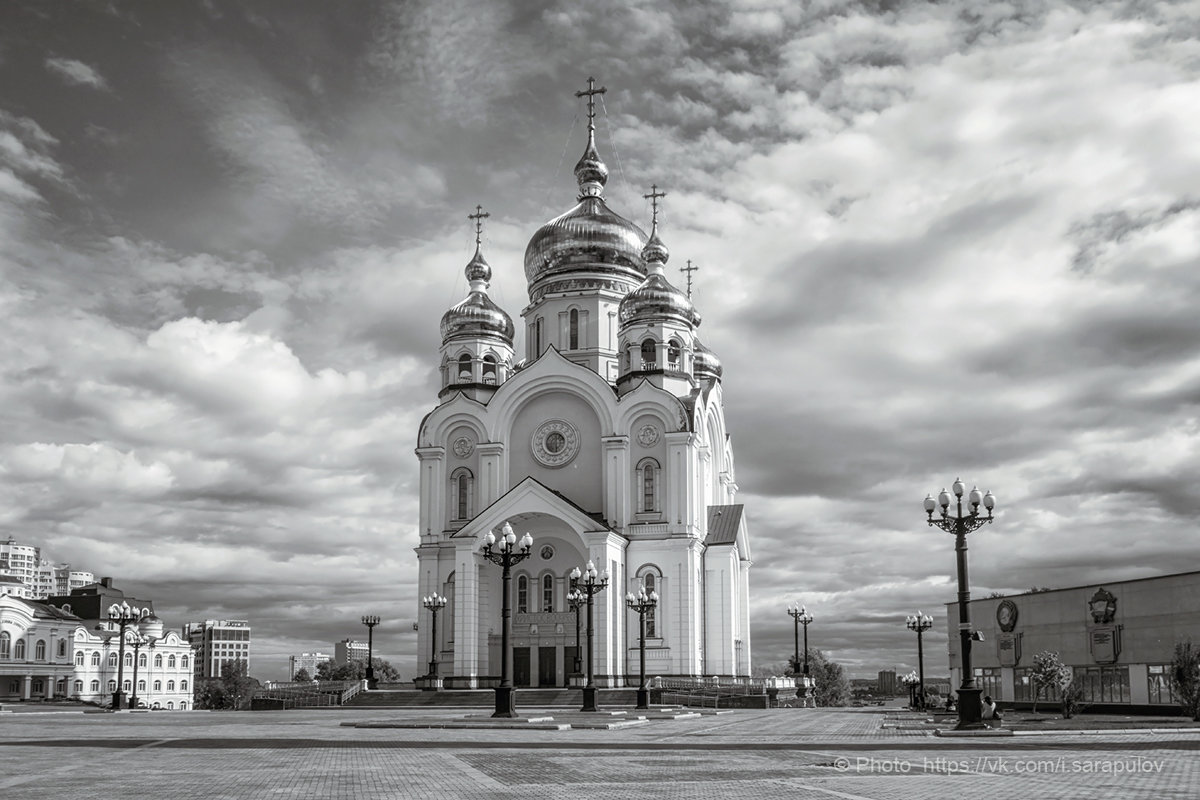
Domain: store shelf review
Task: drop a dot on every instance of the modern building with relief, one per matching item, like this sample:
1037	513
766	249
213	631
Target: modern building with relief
606	442
1117	636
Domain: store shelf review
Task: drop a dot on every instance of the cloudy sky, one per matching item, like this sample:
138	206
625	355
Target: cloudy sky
934	240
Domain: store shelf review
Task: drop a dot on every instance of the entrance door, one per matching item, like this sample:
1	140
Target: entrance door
569	664
520	666
547	661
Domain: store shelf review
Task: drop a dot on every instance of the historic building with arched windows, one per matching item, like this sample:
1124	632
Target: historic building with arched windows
606	442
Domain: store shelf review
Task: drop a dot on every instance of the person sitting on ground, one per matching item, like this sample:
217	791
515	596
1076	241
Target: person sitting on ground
990	712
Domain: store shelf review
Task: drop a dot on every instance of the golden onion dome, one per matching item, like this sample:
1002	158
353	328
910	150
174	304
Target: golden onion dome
705	364
477	316
656	299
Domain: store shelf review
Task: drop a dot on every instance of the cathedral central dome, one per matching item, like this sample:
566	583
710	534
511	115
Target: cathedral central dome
590	236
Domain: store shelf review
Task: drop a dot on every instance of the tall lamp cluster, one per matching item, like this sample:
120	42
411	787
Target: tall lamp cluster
641	603
506	551
919	623
589	582
433	604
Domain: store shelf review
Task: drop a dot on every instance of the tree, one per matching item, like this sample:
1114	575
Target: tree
833	687
1185	678
356	671
209	695
302	676
239	686
1051	676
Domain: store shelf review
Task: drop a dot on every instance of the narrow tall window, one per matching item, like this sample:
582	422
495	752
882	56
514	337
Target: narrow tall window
547	593
142	660
171	662
62	648
537	337
647	476
649	350
489	369
5	645
183	662
129	659
673	354
19	650
96	659
651	584
573	325
522	595
79	659
464	368
39	651
158	660
462	491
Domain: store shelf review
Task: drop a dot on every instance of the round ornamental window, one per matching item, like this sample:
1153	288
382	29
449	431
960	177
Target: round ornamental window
463	447
547	552
555	443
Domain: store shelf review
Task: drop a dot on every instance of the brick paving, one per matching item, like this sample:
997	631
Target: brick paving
784	753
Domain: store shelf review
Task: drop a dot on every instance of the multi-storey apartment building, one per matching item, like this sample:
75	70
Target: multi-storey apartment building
217	643
40	577
308	662
348	650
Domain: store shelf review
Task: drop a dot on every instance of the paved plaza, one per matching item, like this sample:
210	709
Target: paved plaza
758	755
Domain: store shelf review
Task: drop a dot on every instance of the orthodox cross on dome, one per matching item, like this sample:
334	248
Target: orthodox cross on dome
591	93
688	270
653	197
479	216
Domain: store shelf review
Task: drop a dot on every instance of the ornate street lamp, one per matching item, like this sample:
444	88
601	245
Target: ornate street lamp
121	615
969	710
920	623
137	647
800	617
576	599
642	603
508	553
435	603
370	620
590	584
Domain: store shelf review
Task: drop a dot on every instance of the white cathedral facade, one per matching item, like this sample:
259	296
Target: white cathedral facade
606	442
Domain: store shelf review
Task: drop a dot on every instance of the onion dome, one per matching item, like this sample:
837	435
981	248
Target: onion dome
705	364
656	299
477	316
589	238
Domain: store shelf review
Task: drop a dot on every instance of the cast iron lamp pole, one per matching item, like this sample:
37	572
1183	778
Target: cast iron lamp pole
435	603
920	623
590	584
642	603
370	620
800	617
506	555
137	648
122	615
576	599
969	709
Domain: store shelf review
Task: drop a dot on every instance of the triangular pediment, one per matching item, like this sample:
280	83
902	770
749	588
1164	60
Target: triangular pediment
528	498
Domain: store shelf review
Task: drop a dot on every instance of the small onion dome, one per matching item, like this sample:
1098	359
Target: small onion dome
655	250
656	299
705	364
590	171
477	316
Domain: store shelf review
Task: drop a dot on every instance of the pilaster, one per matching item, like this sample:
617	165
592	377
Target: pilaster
466	613
616	481
433	490
492	473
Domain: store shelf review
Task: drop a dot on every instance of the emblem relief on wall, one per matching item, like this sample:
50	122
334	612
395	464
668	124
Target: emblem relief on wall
463	447
555	443
647	436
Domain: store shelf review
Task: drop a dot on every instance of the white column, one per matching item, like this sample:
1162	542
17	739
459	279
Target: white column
466	611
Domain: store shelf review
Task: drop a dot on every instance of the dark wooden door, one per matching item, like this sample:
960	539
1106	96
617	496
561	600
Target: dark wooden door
547	661
569	664
520	666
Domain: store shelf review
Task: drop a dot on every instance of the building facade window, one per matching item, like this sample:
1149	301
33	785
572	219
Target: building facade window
988	681
522	595
79	657
112	685
573	329
489	369
141	686
650	582
673	350
19	650
158	660
170	686
5	645
1103	684
1159	684
649	353
158	686
112	659
62	648
96	658
39	651
647	486
129	659
183	662
79	687
95	686
142	660
183	686
462	490
171	661
547	593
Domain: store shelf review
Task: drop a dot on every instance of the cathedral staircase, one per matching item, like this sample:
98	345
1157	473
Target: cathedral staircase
486	698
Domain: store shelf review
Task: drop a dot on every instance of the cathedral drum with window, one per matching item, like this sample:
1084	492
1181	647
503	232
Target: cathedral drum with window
606	443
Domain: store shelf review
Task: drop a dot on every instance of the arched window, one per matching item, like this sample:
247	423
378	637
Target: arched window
649	354
462	492
170	705
183	686
158	686
547	593
522	595
142	660
79	658
5	645
62	648
573	328
95	658
489	369
464	367
127	685
158	660
112	685
129	659
170	686
141	686
650	582
647	486
673	354
19	650
39	651
60	686
112	659
95	686
537	337
183	706
171	661
79	686
183	662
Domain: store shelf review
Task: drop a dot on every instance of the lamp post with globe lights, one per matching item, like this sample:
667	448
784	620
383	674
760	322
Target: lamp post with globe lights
370	620
642	603
800	616
590	583
122	616
505	551
576	599
434	603
920	623
969	709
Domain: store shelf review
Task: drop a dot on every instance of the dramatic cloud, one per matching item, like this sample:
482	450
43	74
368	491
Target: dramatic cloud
932	240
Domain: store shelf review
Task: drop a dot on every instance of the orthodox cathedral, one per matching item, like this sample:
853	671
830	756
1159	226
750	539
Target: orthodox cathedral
606	443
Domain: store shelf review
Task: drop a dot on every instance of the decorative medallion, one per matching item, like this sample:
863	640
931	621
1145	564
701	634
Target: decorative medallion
647	436
555	443
547	552
463	447
1103	607
1006	615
